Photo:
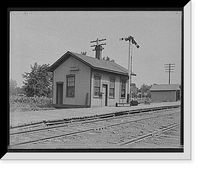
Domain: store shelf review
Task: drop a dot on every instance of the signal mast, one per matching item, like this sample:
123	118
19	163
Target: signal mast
131	41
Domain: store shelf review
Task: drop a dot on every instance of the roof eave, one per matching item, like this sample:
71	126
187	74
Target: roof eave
111	71
155	90
64	58
58	62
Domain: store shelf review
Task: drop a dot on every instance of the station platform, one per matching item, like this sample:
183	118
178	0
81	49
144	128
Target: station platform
21	118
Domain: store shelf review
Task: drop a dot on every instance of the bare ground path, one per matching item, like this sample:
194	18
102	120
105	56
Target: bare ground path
19	118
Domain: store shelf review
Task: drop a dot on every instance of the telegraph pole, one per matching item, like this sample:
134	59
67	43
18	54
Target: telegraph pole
97	42
131	41
98	47
169	69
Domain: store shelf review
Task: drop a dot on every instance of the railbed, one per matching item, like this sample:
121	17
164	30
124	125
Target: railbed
36	117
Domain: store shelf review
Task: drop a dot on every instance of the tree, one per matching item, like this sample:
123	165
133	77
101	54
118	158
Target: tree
13	87
144	89
38	82
84	53
134	90
20	90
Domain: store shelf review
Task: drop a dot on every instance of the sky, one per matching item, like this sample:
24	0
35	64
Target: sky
44	36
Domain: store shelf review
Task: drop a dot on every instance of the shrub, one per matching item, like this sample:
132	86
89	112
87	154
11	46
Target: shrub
30	103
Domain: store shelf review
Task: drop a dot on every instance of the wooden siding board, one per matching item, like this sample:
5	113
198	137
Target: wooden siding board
82	79
105	79
163	96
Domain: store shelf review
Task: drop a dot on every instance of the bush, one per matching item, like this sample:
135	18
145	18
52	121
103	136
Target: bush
29	103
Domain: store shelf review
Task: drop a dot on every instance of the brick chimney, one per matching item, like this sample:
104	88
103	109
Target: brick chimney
98	52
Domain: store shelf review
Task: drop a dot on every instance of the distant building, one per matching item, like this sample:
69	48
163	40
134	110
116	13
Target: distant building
84	81
165	92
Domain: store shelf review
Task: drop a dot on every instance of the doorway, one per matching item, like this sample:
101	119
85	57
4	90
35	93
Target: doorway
105	95
177	95
59	93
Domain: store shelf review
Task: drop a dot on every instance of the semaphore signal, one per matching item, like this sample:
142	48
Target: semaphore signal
131	41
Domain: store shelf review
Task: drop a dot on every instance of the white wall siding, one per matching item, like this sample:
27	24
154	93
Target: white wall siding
105	79
82	81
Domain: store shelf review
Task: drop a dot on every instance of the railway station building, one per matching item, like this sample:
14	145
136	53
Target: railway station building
165	92
84	81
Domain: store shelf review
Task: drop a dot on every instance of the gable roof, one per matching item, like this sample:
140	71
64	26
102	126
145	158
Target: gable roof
165	87
91	62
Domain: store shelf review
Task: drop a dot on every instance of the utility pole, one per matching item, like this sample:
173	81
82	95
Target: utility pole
97	43
131	41
98	48
169	69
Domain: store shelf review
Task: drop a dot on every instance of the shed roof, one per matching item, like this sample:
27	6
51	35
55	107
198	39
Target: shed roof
91	62
165	87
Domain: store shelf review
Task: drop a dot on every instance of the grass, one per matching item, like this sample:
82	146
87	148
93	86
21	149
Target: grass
23	103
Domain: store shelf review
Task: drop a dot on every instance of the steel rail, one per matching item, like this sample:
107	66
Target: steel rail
56	122
149	134
125	112
52	137
84	122
136	120
91	129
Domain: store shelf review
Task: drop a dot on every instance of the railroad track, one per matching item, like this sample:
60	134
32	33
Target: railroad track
151	134
88	118
56	130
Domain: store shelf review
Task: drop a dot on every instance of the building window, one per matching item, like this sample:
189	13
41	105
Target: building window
112	88
70	89
97	85
123	88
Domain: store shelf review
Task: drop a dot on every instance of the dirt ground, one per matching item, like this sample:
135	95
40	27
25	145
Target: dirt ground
27	117
111	137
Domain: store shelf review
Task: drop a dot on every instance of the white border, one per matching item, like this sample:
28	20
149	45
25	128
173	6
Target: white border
143	156
187	80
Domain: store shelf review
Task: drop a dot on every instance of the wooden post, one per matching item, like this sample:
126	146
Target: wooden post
86	99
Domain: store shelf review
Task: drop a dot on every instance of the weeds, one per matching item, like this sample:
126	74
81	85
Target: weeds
23	103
